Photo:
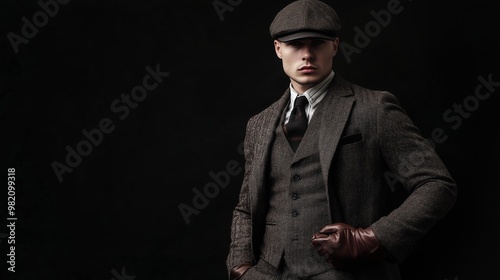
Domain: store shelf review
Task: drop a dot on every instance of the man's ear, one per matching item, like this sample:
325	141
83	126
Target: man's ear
335	44
277	48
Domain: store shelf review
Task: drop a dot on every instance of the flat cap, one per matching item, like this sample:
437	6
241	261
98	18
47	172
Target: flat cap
305	18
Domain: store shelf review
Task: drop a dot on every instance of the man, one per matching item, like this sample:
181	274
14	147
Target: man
314	200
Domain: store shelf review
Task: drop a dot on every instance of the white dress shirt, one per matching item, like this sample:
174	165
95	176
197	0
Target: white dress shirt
314	95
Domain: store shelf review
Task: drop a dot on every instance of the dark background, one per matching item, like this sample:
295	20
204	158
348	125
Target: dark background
117	212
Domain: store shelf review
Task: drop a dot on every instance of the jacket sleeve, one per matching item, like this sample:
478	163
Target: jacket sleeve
411	158
240	249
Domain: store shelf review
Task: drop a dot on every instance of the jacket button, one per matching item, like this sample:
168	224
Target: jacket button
296	178
295	213
295	196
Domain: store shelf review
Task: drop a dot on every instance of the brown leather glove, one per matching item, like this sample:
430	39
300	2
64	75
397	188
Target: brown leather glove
344	245
238	271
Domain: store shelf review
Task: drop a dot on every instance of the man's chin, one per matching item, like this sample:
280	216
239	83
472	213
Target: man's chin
308	81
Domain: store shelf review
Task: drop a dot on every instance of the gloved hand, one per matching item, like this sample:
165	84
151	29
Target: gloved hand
345	245
238	271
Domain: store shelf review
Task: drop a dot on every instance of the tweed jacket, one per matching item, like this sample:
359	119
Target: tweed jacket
365	138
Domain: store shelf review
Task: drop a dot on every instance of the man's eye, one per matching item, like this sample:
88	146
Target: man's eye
318	42
295	43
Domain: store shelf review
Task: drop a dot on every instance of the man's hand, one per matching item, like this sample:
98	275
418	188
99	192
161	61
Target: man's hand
344	244
238	271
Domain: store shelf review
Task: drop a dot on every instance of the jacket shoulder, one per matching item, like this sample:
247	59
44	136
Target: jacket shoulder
370	97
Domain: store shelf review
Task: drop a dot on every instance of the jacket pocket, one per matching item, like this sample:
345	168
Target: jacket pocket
349	139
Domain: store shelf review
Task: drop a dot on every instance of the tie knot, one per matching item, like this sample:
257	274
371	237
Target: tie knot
301	101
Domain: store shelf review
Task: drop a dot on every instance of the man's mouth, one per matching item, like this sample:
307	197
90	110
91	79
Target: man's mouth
307	69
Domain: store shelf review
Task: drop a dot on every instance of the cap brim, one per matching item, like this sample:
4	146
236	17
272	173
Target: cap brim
304	34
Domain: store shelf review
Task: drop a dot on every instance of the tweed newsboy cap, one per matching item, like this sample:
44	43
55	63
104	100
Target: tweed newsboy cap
303	19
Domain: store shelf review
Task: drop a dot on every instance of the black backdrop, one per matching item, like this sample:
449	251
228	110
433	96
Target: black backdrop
116	214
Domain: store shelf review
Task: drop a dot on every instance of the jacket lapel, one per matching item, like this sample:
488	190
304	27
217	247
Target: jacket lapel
260	162
337	108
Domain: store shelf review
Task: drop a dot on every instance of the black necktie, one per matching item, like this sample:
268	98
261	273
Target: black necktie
297	124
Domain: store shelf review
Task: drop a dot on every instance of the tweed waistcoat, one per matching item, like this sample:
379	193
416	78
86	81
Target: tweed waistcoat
298	205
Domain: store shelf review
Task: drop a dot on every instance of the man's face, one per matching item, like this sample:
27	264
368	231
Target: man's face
306	61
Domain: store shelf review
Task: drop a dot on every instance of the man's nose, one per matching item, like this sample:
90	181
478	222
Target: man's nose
307	53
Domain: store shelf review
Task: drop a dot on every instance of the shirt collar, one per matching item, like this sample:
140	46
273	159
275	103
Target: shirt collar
314	94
